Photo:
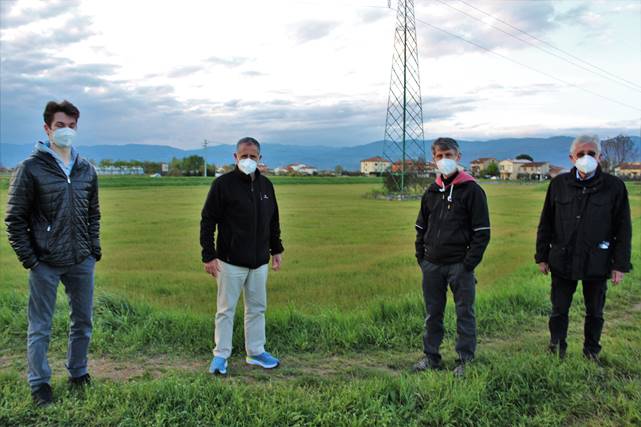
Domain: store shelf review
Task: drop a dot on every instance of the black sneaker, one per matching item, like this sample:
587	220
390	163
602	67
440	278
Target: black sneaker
42	396
427	363
79	382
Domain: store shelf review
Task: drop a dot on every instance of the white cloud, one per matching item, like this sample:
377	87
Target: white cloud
308	72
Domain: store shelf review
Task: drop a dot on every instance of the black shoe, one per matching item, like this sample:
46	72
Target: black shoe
557	350
42	396
427	363
79	382
459	370
592	357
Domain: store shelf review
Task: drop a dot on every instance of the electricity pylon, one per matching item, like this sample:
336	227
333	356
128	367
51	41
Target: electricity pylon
404	144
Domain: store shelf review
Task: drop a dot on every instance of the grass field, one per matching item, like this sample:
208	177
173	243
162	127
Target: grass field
345	315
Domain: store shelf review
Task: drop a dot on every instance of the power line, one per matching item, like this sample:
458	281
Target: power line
540	48
528	67
550	45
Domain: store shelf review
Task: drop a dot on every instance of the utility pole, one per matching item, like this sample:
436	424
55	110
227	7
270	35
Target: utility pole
205	142
404	139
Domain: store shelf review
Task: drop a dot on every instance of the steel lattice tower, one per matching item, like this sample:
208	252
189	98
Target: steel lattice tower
404	140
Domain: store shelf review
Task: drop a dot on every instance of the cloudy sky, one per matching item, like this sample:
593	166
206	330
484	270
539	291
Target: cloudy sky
316	72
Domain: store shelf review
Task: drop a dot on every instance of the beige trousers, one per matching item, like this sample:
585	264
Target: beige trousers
253	283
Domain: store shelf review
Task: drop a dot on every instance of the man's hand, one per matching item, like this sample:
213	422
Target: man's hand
276	261
212	267
617	277
544	267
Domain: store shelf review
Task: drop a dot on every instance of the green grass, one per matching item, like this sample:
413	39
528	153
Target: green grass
342	251
345	314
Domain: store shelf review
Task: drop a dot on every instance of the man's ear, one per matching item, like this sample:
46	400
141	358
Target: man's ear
458	156
235	156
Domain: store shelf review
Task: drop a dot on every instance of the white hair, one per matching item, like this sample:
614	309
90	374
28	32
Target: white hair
587	139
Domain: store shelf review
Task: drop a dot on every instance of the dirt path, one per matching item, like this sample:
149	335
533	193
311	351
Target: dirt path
308	366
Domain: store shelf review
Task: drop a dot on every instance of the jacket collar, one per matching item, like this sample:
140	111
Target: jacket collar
593	182
461	178
244	176
45	147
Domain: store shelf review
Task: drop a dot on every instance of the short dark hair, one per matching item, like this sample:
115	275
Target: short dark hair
446	144
247	140
65	106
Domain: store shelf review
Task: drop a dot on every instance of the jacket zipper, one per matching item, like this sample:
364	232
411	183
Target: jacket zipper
440	217
254	220
73	231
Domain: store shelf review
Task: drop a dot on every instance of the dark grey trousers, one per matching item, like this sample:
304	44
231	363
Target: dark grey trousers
462	282
594	298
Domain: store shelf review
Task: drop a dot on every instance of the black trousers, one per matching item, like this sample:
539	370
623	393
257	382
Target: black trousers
561	296
436	279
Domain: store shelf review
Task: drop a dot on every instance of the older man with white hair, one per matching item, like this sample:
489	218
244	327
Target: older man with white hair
584	234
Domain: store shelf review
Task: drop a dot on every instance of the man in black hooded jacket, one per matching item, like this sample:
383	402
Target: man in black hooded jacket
452	233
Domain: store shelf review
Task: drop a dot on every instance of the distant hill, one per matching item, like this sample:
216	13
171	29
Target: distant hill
553	150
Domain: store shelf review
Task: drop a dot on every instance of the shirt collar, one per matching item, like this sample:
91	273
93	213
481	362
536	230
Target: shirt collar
590	176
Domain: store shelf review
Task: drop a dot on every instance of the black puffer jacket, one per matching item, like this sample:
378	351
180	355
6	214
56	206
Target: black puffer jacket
51	218
585	228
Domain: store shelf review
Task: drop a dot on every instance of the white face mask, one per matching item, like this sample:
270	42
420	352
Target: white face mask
586	164
447	166
247	166
63	137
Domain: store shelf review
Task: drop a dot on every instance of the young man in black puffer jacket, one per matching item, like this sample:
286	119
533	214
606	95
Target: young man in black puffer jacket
452	232
53	223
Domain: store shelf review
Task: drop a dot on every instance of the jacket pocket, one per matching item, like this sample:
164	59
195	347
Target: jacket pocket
558	259
42	237
599	263
565	215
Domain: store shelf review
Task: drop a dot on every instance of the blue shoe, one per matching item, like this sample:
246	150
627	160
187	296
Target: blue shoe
264	360
218	366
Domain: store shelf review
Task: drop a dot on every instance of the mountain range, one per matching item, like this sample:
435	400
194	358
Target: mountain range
551	149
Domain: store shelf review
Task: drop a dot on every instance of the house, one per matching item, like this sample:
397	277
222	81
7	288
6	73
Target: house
296	168
511	168
629	170
556	170
375	165
535	170
420	167
120	170
480	164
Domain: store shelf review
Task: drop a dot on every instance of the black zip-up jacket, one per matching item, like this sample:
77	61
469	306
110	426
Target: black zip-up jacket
246	215
52	218
585	229
453	229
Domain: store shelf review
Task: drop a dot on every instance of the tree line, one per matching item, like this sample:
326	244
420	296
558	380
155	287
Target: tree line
187	166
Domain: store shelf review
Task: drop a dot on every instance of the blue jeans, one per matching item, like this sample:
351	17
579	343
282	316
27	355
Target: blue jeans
43	284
